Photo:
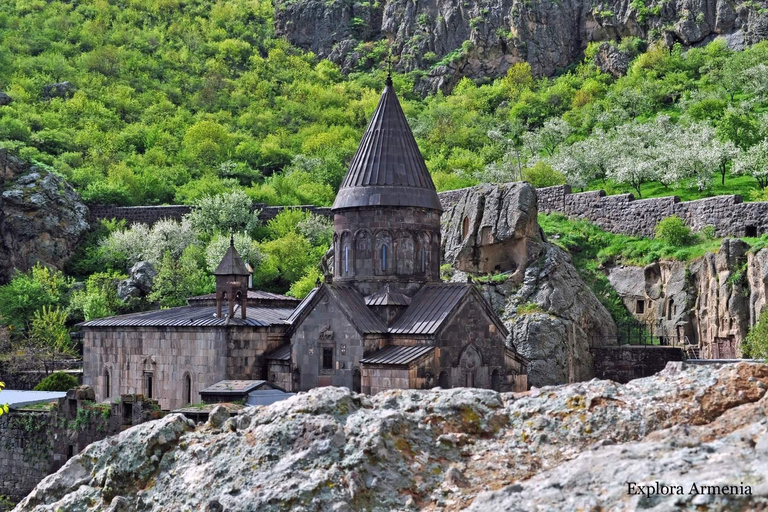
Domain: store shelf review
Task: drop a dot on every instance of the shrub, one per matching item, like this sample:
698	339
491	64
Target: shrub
57	381
673	231
223	212
29	292
542	175
755	345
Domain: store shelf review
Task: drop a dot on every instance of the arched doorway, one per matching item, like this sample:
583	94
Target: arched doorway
495	380
357	381
187	389
444	381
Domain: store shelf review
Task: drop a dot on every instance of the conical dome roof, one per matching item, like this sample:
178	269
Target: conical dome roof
388	169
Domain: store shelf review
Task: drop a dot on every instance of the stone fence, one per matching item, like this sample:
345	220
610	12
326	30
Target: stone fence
626	215
620	213
151	214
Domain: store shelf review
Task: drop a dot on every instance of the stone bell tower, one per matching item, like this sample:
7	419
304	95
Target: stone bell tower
387	213
231	283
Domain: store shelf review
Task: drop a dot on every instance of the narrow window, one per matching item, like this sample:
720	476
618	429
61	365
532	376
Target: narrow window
640	307
346	259
148	385
384	258
327	358
107	389
187	389
423	259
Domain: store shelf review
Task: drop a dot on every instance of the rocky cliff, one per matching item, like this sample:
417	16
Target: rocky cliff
482	39
560	448
41	217
492	231
710	303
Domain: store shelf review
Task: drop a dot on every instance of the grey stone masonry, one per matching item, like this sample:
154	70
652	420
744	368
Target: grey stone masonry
623	214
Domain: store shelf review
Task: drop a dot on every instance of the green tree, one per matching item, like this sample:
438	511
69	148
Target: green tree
223	213
29	292
673	231
179	279
755	345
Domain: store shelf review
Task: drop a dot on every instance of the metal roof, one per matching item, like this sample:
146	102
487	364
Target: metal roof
397	355
194	316
429	308
231	264
267	396
282	353
17	399
257	297
238	387
387	169
387	296
359	314
303	306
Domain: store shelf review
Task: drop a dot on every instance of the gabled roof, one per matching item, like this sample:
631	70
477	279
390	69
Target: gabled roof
429	308
397	355
351	303
387	169
192	316
238	387
231	264
387	296
255	298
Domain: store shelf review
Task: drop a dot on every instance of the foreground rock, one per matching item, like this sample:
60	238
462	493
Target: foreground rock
551	313
41	218
560	447
479	39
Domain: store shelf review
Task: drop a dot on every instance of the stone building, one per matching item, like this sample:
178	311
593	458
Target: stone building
381	320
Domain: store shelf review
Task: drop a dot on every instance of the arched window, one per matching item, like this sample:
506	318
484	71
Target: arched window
384	258
346	259
107	385
187	389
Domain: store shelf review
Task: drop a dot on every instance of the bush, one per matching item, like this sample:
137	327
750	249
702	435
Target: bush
674	232
542	175
755	345
57	381
29	292
223	212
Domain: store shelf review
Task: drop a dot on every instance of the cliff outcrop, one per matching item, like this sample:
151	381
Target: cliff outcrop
41	217
559	448
709	303
481	39
492	232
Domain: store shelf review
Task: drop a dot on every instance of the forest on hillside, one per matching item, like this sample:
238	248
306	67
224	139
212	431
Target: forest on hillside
169	101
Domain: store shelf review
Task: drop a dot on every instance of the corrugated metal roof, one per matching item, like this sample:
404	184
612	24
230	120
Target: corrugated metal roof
282	353
352	301
387	296
387	168
194	316
429	308
231	264
252	295
397	355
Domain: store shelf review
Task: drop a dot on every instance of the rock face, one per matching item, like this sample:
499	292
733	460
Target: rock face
552	315
710	303
59	90
612	60
41	218
139	283
481	40
561	448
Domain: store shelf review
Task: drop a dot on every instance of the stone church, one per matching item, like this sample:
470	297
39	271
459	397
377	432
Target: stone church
382	319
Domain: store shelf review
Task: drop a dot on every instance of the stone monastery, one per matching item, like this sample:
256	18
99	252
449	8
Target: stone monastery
382	320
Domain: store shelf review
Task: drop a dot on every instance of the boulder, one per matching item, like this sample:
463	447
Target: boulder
5	99
59	90
218	416
42	218
551	313
557	448
139	282
610	59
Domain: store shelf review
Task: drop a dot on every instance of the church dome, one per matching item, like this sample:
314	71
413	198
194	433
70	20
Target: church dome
388	169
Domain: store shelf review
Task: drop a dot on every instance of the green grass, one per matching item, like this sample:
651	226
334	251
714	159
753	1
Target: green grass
744	186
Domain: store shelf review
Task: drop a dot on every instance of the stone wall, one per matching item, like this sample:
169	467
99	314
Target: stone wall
37	441
627	362
624	214
152	214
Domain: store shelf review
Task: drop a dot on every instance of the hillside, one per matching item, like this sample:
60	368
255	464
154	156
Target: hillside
163	102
